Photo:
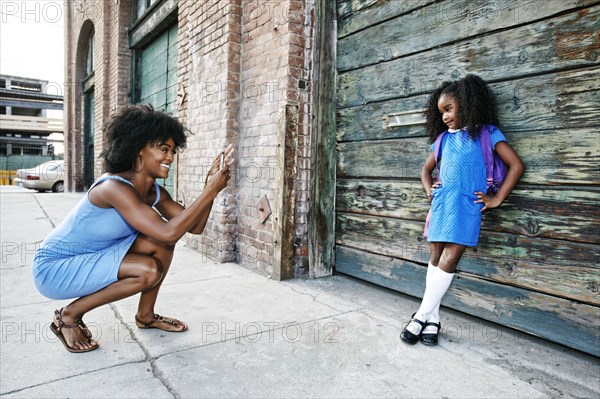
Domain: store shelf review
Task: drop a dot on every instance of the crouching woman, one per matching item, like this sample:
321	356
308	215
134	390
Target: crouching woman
119	239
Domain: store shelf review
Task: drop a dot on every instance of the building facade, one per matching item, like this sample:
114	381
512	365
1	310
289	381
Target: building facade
31	124
233	72
323	102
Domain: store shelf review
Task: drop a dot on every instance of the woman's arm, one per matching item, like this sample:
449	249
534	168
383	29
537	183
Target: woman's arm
513	175
426	171
169	208
148	222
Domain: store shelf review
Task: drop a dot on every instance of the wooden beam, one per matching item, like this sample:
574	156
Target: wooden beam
284	204
321	233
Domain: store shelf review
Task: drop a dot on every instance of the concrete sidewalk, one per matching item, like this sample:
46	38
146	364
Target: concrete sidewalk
250	336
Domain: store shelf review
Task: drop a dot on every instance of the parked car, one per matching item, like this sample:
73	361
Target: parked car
47	176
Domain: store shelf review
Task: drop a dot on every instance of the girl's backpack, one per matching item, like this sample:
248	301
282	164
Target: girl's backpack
494	165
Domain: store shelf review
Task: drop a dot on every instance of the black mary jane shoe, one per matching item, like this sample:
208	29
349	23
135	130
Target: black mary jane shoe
428	338
408	337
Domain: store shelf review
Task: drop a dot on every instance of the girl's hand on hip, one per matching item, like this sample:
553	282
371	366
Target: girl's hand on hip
488	202
434	186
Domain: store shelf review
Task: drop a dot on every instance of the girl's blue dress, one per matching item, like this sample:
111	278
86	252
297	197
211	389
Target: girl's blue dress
454	215
83	254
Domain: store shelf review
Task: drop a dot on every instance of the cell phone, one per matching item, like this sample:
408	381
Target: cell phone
222	160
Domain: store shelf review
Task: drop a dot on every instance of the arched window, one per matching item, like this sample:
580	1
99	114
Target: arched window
88	111
89	56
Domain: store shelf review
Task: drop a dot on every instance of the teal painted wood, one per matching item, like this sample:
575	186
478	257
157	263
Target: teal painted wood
528	104
533	257
454	21
505	258
347	7
542	315
171	100
355	17
488	56
159	82
560	158
531	211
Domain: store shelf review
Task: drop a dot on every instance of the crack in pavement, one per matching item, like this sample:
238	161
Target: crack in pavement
43	210
153	367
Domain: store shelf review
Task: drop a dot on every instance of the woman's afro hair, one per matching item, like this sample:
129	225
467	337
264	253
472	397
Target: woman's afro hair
134	127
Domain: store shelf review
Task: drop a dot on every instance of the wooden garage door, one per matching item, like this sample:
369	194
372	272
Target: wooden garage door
536	268
157	81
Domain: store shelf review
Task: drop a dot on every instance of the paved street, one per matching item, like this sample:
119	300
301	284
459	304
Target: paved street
250	336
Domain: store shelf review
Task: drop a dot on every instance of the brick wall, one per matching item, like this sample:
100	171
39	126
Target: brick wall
209	47
240	63
272	64
112	57
83	17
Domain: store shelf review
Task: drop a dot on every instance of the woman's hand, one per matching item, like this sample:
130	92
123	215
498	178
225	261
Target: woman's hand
489	202
218	177
216	164
218	181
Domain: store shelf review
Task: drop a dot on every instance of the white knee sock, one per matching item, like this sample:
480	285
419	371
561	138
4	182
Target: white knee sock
437	285
434	316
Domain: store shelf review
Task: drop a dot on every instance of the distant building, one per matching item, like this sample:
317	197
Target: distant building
30	119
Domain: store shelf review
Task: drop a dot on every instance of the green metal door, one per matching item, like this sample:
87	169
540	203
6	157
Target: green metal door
88	127
157	77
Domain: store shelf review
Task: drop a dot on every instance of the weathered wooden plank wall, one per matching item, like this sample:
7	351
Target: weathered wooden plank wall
536	267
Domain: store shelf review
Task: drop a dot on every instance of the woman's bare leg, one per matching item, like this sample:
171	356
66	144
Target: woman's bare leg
164	252
138	272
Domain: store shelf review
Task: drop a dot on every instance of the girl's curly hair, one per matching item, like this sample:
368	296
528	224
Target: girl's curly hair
476	106
134	127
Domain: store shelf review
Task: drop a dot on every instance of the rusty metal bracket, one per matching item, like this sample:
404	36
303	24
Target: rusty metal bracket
263	208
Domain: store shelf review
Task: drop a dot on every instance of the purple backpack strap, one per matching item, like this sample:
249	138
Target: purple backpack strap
436	155
436	150
488	158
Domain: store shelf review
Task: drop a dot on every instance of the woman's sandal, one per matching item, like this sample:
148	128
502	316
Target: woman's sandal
85	329
409	337
430	339
58	324
159	318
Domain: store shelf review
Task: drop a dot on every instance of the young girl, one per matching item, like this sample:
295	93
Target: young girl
460	108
